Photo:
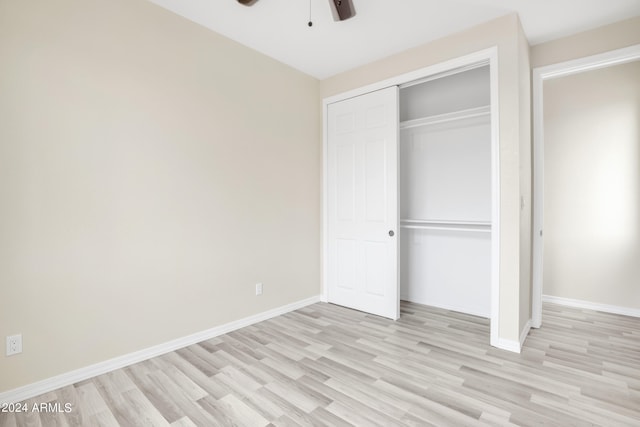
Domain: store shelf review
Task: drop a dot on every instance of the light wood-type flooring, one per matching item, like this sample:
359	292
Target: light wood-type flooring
325	365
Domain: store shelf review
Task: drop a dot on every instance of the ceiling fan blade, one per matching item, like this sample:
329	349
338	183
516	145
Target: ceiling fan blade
342	9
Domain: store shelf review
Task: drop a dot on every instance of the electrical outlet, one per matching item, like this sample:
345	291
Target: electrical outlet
258	288
14	344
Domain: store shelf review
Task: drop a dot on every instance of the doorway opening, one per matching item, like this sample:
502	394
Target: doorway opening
603	220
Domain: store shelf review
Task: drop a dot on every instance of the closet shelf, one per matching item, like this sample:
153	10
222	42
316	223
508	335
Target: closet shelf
447	117
447	225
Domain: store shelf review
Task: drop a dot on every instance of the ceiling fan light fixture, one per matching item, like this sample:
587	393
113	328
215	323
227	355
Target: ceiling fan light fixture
247	2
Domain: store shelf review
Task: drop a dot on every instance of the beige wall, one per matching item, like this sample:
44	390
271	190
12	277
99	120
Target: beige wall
151	172
505	33
603	39
592	186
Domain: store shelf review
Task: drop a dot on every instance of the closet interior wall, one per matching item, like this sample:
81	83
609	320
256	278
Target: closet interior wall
445	192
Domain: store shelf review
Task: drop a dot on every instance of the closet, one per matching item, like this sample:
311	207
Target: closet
410	176
445	191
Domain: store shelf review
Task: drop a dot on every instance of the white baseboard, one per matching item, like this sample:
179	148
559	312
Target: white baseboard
512	345
614	309
509	345
63	380
450	307
525	332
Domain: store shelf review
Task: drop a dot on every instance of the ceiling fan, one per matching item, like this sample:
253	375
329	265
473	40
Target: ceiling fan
341	9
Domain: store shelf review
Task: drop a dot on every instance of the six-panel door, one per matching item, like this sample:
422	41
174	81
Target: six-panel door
363	203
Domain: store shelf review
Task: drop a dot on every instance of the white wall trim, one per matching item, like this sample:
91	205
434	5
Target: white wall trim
605	308
63	380
515	346
450	307
509	345
495	200
490	55
525	332
324	294
540	74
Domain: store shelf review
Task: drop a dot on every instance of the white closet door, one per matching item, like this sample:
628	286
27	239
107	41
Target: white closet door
363	203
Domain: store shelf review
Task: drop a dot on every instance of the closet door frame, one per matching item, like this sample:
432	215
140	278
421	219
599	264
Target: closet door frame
487	56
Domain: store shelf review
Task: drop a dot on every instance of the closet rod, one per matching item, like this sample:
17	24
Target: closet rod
448	228
445	222
451	225
445	74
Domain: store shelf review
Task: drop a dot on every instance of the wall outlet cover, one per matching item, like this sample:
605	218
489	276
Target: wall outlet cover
14	344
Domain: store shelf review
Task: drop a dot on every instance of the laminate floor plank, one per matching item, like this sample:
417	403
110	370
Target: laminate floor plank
577	411
103	419
29	419
213	388
280	365
236	353
324	418
267	408
325	365
296	414
434	412
239	383
297	398
284	421
92	406
8	419
111	387
371	409
186	403
183	422
69	396
344	412
370	397
157	393
241	413
145	413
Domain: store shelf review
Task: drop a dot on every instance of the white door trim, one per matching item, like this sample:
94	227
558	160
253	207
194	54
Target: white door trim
540	74
489	55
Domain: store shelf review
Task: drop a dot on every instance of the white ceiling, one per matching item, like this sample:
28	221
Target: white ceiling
278	28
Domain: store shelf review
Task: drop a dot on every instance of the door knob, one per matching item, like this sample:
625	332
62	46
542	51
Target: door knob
391	233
